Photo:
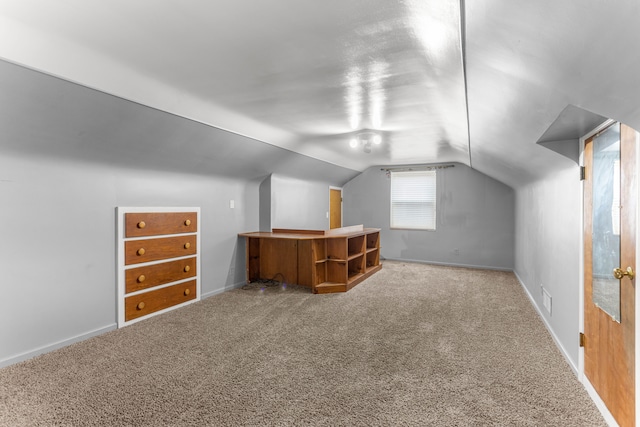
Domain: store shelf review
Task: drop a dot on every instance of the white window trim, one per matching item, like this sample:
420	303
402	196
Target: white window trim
430	185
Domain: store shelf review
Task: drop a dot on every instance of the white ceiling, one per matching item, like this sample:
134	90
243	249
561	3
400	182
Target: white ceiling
305	75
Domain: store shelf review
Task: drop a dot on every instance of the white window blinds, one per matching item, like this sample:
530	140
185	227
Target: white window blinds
413	200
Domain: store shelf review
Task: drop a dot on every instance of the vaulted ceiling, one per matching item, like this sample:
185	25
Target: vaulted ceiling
477	82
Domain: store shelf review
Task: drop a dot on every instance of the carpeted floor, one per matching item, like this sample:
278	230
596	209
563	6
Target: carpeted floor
414	345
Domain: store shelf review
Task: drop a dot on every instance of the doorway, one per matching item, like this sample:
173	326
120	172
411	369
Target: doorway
335	207
610	214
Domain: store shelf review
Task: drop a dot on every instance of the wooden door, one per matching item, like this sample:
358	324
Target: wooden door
335	208
609	236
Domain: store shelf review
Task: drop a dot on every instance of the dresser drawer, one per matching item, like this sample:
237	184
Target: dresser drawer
138	251
149	302
156	223
139	278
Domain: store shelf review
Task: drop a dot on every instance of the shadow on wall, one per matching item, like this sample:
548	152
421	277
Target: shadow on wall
236	276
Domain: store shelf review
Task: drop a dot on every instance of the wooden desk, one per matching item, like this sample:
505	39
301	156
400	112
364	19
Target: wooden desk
325	260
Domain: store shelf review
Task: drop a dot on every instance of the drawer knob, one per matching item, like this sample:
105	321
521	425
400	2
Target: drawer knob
187	222
187	245
141	251
186	268
140	305
187	292
141	224
141	278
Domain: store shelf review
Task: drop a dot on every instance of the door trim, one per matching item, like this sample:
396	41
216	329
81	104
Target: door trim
637	350
581	376
583	141
331	187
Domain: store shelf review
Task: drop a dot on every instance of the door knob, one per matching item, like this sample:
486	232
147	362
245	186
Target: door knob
619	273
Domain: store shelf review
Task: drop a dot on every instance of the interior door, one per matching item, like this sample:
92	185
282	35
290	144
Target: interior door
335	208
609	277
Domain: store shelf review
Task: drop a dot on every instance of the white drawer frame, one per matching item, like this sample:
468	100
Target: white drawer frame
121	267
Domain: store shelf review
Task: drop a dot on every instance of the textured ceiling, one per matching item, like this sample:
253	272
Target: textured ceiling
306	75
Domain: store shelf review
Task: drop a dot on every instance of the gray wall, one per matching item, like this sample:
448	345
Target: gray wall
69	156
299	204
265	205
287	202
547	249
58	246
475	216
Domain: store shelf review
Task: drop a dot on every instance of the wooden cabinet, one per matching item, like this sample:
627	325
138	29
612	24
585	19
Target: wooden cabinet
158	261
146	303
326	261
137	279
139	224
139	251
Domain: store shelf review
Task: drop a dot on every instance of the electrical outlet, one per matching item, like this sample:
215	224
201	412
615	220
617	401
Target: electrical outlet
232	204
456	251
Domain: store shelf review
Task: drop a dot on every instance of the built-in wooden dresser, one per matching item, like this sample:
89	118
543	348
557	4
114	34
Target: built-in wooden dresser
158	261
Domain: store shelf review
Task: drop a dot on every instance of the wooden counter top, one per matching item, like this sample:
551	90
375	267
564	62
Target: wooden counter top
325	260
281	233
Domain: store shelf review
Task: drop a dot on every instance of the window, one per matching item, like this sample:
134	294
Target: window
413	200
615	206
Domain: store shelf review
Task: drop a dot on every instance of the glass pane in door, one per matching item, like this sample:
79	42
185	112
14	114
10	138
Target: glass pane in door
606	220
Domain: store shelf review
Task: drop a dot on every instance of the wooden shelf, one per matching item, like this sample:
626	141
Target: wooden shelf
372	267
355	245
330	287
355	276
326	261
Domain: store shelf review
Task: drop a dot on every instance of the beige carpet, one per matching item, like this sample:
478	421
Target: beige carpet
414	345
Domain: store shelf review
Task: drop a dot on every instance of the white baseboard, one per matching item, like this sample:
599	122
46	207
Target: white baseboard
81	337
221	290
449	264
564	352
593	394
56	345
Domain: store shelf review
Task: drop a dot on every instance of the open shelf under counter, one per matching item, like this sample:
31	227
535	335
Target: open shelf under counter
355	256
326	261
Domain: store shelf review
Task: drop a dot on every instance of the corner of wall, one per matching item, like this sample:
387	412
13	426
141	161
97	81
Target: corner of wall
555	338
547	253
265	204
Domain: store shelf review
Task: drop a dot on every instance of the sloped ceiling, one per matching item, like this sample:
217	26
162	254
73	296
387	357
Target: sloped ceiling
47	117
476	82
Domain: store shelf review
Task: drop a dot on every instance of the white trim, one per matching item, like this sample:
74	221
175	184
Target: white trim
429	177
583	378
548	326
223	290
447	264
593	394
56	345
576	369
90	334
582	144
121	267
164	285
